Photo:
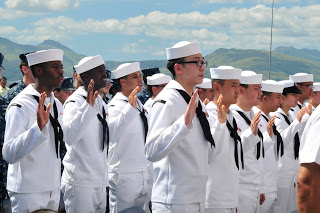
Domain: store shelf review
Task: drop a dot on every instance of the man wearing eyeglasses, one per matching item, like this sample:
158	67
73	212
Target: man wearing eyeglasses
179	137
3	88
304	82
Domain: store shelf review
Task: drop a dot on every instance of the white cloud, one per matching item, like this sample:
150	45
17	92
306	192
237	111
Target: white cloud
227	27
222	1
7	14
7	30
41	5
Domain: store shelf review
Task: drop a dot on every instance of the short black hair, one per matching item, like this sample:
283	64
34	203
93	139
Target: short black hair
219	81
23	64
171	63
3	78
244	86
34	66
264	93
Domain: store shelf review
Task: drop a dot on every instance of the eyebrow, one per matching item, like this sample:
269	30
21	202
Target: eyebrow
198	58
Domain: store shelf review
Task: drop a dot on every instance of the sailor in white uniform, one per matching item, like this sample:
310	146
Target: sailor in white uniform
254	145
85	176
155	84
308	194
33	137
222	190
179	138
304	82
289	162
127	162
315	99
205	91
270	102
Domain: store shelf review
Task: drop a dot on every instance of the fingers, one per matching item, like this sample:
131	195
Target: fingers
96	93
42	98
256	119
135	98
48	109
272	120
219	101
135	91
206	101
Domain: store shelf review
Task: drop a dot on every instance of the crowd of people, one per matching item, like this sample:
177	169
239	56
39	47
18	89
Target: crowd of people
143	141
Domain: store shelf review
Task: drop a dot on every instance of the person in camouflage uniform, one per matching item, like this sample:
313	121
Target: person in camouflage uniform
3	164
13	92
144	95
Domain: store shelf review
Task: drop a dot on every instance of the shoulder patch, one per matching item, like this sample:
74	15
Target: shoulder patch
70	101
14	104
159	101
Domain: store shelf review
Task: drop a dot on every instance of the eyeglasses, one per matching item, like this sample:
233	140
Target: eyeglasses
307	85
198	63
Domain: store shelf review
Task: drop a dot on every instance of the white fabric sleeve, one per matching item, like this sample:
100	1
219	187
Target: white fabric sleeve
19	140
165	133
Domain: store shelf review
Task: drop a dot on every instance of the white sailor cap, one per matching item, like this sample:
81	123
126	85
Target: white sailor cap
183	49
158	79
301	77
289	87
206	84
42	56
88	63
126	69
316	87
271	86
250	77
225	73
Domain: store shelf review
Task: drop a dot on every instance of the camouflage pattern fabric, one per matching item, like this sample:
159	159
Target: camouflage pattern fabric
144	96
13	92
3	163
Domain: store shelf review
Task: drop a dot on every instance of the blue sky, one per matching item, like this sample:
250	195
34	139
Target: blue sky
142	29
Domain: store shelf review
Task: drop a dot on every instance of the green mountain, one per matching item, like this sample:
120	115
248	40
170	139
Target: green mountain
11	52
301	53
258	61
285	60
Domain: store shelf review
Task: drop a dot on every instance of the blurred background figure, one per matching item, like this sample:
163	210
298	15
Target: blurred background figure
205	90
66	89
145	95
104	92
1	60
3	88
77	79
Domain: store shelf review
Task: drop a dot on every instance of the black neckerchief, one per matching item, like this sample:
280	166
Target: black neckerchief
248	121
201	116
105	127
300	106
296	138
279	138
58	133
234	134
144	121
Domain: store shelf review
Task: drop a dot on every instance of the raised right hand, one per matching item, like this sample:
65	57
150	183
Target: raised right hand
222	114
191	109
300	114
91	97
43	115
132	99
254	123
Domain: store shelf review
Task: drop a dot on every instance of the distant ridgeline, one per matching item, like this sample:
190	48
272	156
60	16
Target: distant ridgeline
285	60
